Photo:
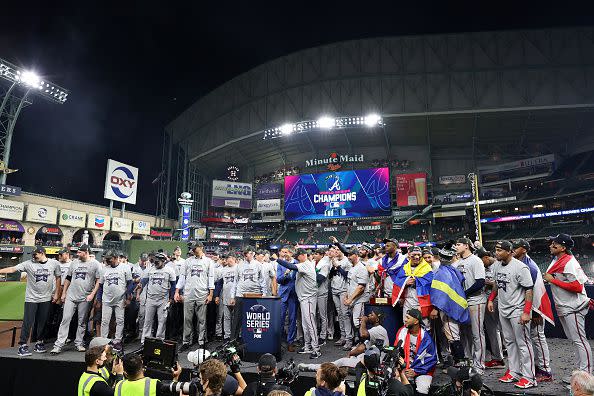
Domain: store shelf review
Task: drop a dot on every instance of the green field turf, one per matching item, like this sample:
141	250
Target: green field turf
12	296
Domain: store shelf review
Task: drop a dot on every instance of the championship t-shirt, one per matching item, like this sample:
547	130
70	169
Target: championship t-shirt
472	268
512	281
358	275
83	276
114	280
41	279
159	283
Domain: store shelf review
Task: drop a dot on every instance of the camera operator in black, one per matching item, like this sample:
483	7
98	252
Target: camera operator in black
267	381
370	383
234	385
136	383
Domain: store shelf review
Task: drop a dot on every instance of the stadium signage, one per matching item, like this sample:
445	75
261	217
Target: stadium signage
454	179
98	222
268	205
228	189
525	163
120	224
72	218
368	227
41	214
537	215
5	189
121	182
141	227
334	161
12	210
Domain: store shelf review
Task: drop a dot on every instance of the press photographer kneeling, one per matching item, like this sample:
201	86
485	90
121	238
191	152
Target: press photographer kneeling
267	381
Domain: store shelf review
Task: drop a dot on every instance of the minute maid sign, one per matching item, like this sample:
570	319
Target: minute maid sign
72	218
334	160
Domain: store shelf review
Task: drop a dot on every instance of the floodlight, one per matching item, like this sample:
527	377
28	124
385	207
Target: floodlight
30	79
287	128
372	120
326	122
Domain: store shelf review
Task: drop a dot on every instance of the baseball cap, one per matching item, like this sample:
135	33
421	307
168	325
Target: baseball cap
161	256
353	250
267	362
300	251
371	358
143	256
562	239
109	253
84	248
196	244
446	254
415	313
99	342
466	241
394	241
62	251
248	249
38	249
505	245
415	249
521	243
261	251
435	251
482	252
320	251
427	251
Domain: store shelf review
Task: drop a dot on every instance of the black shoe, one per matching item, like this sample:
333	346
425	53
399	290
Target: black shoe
303	350
184	347
315	355
322	341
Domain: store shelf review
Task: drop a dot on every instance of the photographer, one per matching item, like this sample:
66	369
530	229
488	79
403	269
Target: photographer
373	382
136	383
329	381
212	377
91	382
267	381
234	385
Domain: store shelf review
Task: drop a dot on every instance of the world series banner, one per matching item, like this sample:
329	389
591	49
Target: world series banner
331	195
262	326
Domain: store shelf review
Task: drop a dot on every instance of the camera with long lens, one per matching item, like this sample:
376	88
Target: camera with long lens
288	373
383	368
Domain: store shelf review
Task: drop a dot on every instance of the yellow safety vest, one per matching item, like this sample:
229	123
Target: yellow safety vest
361	389
104	372
86	382
141	387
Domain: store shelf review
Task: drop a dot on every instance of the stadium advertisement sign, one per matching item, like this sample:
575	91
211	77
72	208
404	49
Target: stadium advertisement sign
411	189
231	203
12	210
268	205
72	218
347	194
231	190
141	227
268	191
537	215
454	179
121	182
121	225
41	214
98	222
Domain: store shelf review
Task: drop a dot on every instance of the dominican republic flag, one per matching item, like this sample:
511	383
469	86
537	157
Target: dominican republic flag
423	276
541	303
567	264
447	293
424	357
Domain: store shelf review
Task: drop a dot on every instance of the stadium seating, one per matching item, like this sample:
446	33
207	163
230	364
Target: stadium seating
366	236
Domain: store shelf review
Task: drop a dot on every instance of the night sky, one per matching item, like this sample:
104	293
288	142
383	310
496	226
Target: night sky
132	69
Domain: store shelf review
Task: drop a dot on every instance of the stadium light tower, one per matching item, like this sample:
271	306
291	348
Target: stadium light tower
23	84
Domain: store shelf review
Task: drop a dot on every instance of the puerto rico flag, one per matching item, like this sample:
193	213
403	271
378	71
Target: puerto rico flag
424	358
541	304
423	276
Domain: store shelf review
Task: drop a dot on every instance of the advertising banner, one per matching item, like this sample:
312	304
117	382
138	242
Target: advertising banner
268	191
454	179
348	194
121	225
452	213
411	189
5	189
231	190
98	222
41	214
268	205
12	210
231	203
200	233
121	182
141	227
72	218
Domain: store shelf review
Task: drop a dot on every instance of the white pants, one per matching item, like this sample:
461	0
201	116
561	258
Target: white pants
493	332
308	320
473	337
423	383
540	346
342	362
520	355
106	311
69	307
344	321
357	309
451	328
323	312
155	307
574	328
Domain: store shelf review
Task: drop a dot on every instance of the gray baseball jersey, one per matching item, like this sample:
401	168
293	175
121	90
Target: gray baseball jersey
306	285
567	302
41	279
488	277
472	268
358	275
159	283
512	281
248	279
114	280
83	276
338	283
198	274
371	284
323	268
178	265
227	274
268	272
64	267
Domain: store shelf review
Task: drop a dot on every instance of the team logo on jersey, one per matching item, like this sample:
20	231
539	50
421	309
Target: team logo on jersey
502	281
248	274
112	280
41	275
80	274
257	320
157	279
196	270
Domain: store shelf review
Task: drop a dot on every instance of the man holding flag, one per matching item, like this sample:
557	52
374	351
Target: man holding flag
412	283
389	266
420	355
449	302
571	302
541	309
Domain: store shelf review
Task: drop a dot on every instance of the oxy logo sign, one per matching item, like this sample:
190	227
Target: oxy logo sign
121	182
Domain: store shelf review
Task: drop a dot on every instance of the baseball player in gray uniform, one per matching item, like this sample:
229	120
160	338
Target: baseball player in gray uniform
197	280
227	274
338	288
79	291
492	325
115	283
306	288
138	271
322	263
571	302
356	295
514	291
159	282
268	272
42	275
473	334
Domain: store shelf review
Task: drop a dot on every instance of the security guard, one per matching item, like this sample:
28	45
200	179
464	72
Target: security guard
136	383
91	383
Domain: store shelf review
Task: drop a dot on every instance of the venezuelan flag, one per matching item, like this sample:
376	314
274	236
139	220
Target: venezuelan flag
423	276
447	293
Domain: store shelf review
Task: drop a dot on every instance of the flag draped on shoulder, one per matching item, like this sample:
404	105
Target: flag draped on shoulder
447	293
424	359
423	276
567	264
541	303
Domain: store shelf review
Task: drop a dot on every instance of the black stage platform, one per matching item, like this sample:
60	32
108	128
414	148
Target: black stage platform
59	374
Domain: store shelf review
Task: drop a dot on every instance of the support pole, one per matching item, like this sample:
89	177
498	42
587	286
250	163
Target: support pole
476	207
9	130
123	208
111	208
